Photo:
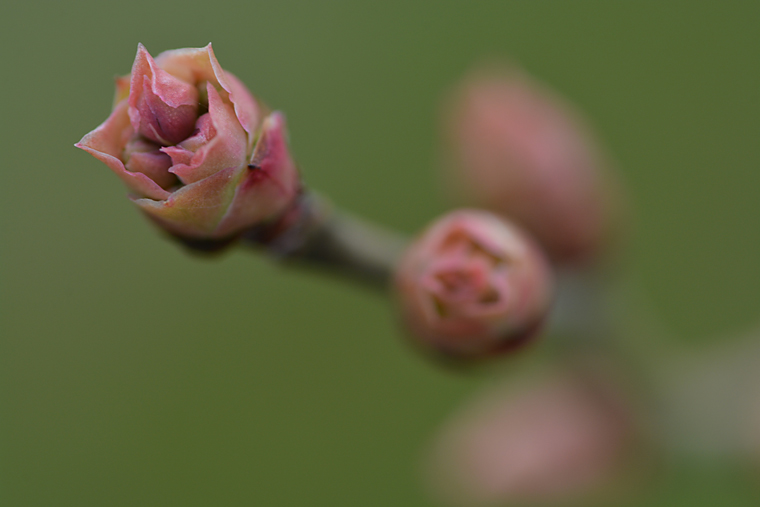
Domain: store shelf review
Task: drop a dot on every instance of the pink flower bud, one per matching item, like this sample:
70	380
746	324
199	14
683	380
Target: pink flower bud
561	439
522	151
196	150
473	285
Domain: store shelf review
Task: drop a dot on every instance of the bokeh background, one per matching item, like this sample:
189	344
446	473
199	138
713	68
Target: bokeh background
134	374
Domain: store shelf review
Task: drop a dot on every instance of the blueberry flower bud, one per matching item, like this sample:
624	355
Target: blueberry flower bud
473	285
199	155
522	151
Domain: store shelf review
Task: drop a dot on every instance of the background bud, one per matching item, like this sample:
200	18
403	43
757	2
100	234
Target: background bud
522	151
559	438
473	285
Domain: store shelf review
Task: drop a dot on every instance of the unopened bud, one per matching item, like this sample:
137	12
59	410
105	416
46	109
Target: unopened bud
473	285
198	153
561	439
522	151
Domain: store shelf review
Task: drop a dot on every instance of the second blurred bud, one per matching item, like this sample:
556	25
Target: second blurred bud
520	150
571	435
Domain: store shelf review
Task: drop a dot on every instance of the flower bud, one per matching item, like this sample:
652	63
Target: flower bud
473	285
563	438
521	151
197	152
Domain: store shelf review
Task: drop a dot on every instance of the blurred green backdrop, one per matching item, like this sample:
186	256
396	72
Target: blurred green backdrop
133	374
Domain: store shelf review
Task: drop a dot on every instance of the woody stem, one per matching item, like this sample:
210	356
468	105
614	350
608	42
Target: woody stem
315	234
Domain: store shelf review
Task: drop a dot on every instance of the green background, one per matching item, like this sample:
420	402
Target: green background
132	374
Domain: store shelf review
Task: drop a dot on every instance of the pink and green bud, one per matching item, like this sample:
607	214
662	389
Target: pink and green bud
473	285
522	151
198	153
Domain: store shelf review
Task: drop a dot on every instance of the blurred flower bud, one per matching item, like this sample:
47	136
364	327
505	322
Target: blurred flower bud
196	150
563	438
523	152
473	285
